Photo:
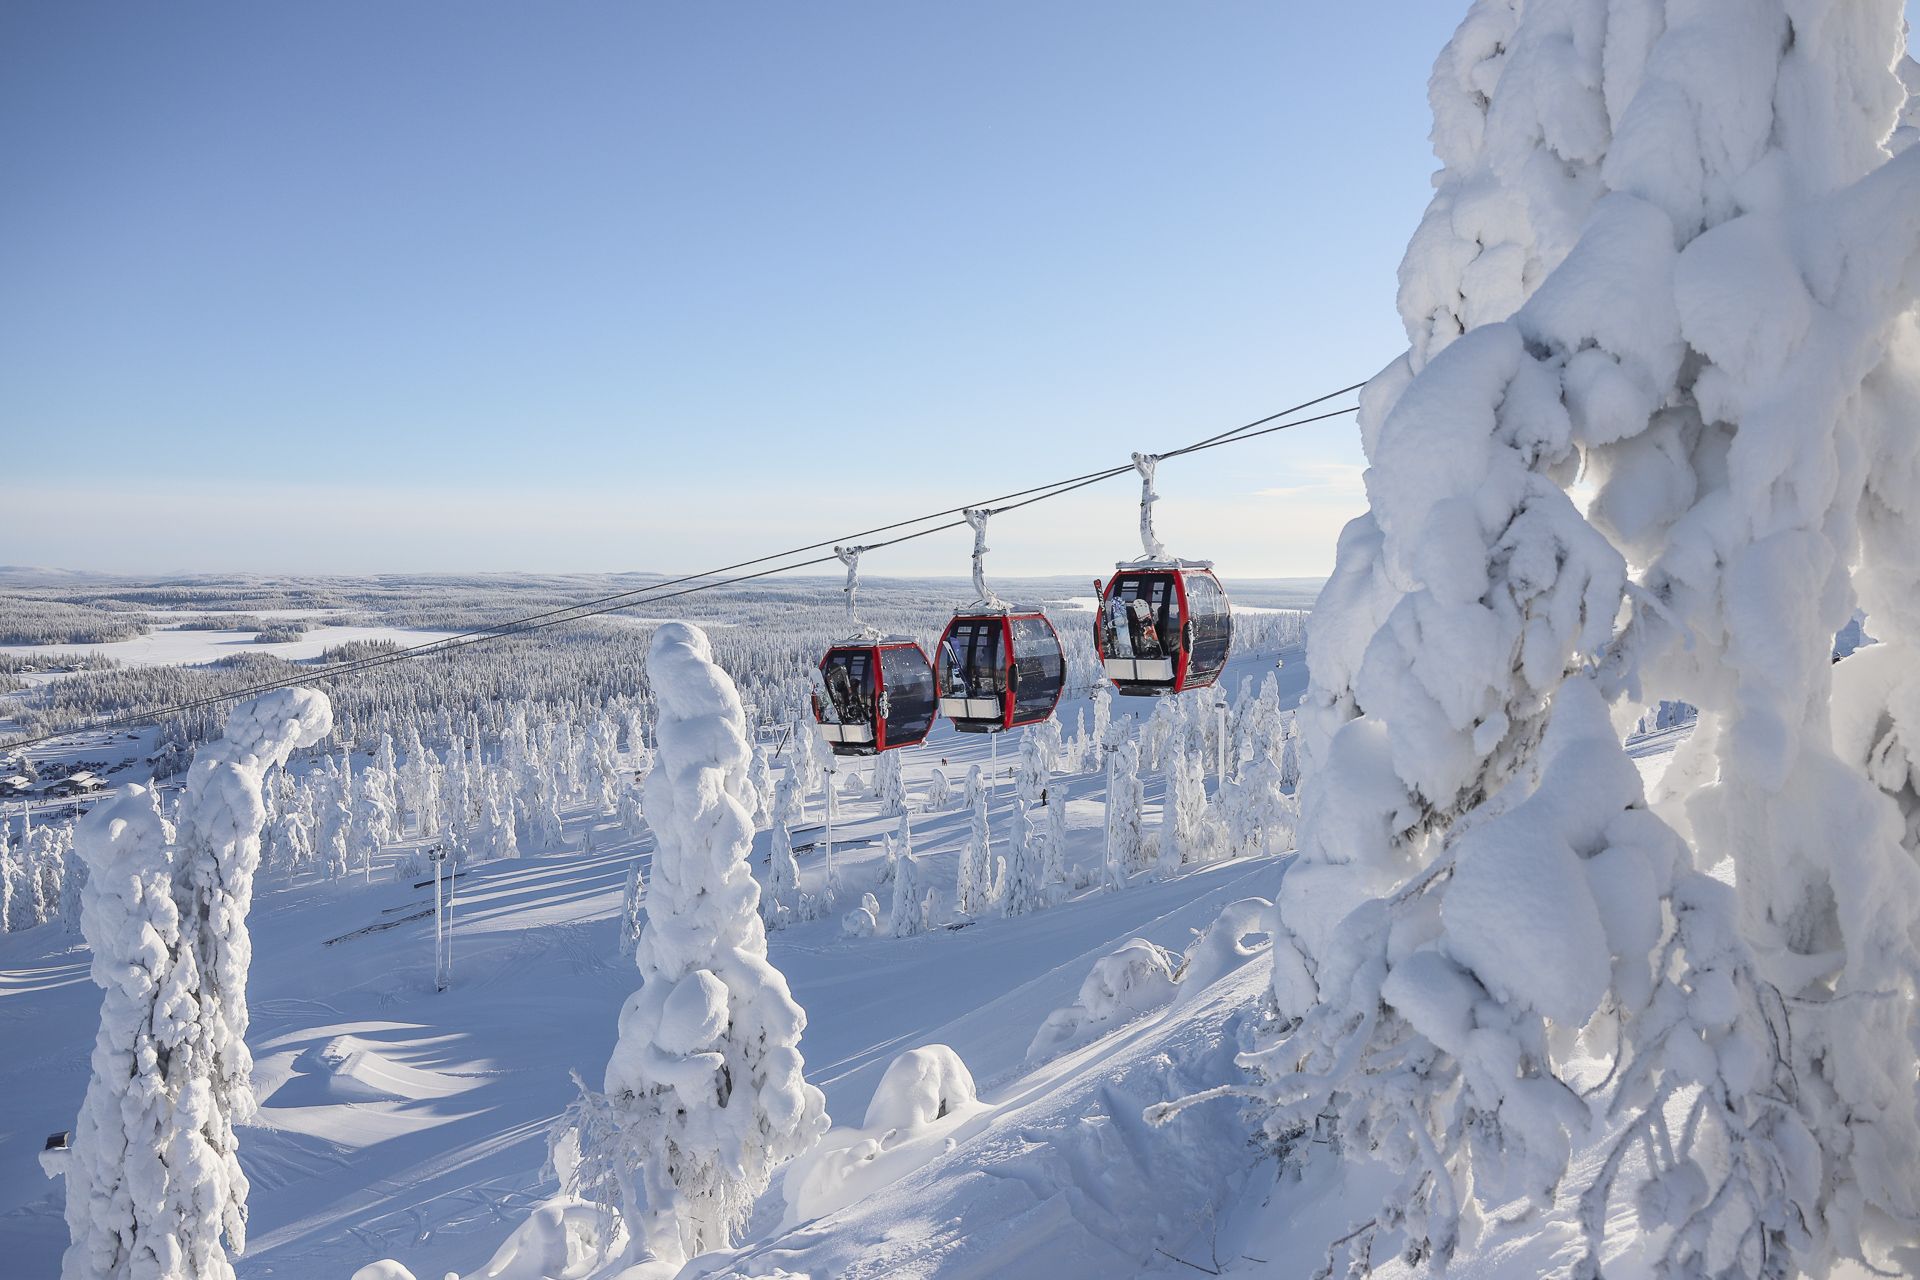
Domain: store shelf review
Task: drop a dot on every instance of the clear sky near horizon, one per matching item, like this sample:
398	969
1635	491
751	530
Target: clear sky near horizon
440	286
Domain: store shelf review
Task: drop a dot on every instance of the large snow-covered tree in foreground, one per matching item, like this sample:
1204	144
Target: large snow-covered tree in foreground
154	1186
1667	250
706	1079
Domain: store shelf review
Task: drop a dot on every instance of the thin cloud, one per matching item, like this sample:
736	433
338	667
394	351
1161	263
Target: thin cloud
1323	482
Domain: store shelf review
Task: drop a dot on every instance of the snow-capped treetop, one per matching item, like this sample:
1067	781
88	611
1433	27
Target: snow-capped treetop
219	822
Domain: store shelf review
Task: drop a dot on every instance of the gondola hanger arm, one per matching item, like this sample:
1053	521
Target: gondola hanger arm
850	557
1150	544
977	518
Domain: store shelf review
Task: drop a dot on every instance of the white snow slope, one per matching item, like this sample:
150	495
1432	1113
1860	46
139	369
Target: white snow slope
400	1123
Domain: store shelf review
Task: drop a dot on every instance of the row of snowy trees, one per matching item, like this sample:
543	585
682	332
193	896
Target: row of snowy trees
1027	868
40	877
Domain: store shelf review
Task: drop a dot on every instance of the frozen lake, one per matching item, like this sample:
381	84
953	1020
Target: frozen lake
190	648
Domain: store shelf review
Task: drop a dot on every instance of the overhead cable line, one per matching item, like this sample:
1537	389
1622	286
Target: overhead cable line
706	580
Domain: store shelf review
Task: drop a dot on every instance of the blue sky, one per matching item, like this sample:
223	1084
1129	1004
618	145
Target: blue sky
624	286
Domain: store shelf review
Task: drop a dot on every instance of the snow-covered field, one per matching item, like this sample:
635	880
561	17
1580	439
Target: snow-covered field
400	1122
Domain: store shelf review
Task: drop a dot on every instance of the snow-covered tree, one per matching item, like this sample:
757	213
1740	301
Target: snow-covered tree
631	810
908	916
47	869
414	781
811	757
498	835
1666	251
1189	831
373	818
1258	814
218	825
382	780
707	1075
632	909
602	766
760	780
73	879
9	878
457	805
146	1189
974	791
939	792
781	902
1030	863
291	840
1127	849
336	819
889	786
975	890
1053	818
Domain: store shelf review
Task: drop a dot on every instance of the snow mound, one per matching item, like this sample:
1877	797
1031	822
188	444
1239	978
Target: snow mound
1141	976
347	1069
1121	986
561	1240
925	1096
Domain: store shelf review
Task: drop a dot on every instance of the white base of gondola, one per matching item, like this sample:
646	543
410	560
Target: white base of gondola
851	735
971	708
1141	670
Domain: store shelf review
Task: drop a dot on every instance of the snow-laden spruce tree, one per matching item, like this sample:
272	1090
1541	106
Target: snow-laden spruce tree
1666	247
781	902
382	780
154	1186
374	820
908	914
889	785
632	918
600	773
1029	862
975	886
9	876
336	818
939	792
706	1077
217	832
144	1186
498	836
1127	849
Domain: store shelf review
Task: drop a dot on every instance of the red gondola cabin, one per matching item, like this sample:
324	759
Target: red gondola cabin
882	695
998	669
1163	626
